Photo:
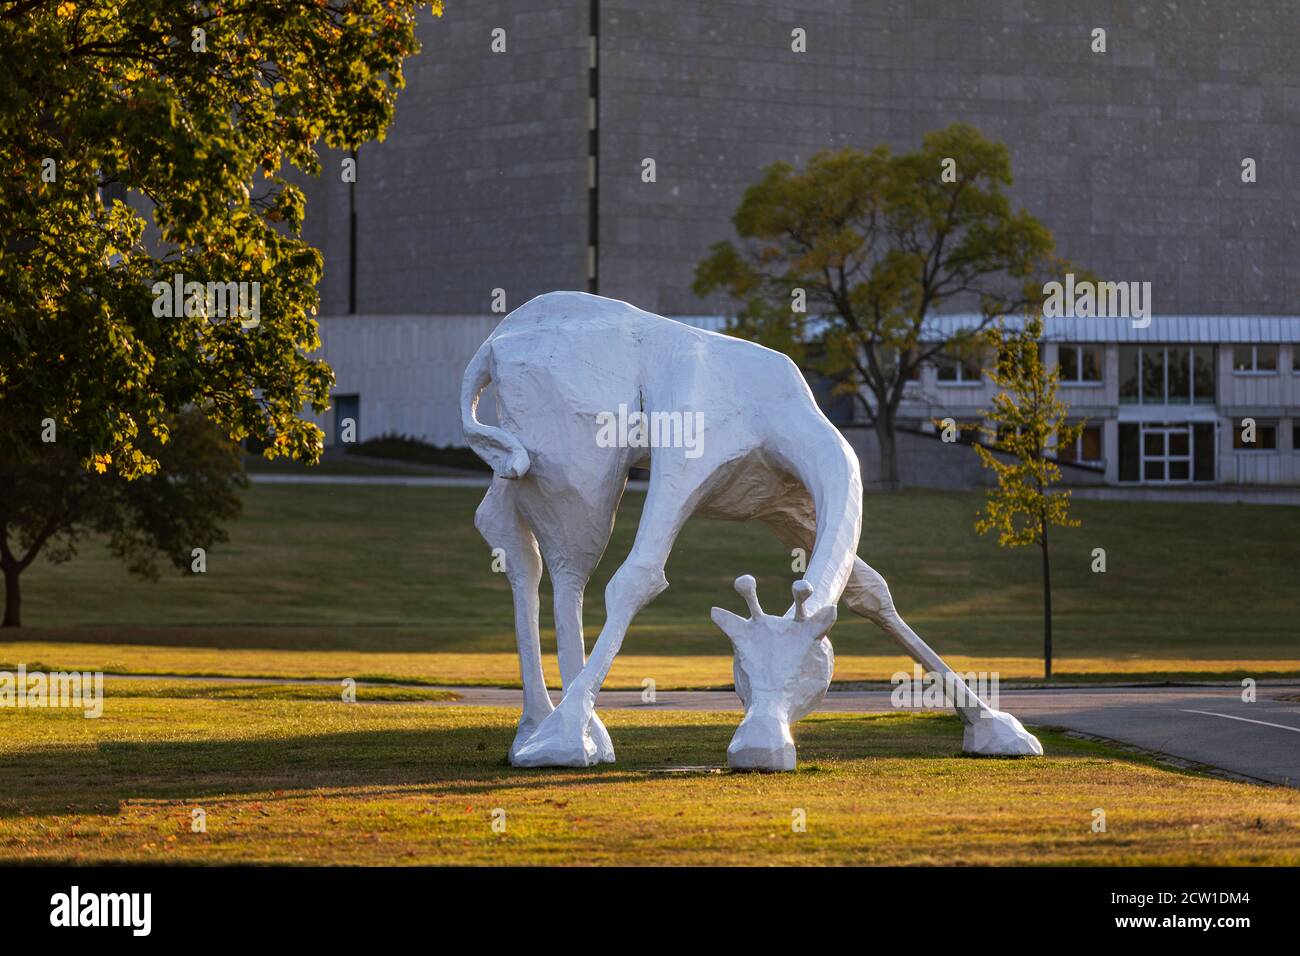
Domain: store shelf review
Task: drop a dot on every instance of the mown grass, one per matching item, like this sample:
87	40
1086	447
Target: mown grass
119	688
394	583
314	781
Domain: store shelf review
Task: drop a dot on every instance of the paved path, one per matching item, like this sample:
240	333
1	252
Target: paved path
425	481
410	475
1254	496
1235	495
414	481
1203	724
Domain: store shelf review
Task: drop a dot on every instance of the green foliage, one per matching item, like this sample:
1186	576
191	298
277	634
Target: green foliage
878	242
51	503
1028	419
193	110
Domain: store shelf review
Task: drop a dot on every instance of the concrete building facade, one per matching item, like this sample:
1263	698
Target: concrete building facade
519	163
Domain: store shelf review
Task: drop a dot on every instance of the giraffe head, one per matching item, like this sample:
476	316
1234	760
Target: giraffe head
783	667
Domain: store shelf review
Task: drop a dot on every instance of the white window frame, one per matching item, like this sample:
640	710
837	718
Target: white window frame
961	381
1076	380
1164	348
1078	447
1255	448
1254	359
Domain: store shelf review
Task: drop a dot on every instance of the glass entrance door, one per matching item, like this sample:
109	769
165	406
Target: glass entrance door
1166	453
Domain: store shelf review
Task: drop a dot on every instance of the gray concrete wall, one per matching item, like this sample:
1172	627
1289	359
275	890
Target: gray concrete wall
1131	157
481	182
925	461
407	371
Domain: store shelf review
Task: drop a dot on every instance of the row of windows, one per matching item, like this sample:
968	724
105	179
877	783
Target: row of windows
1088	446
1148	374
1085	449
1166	375
1261	358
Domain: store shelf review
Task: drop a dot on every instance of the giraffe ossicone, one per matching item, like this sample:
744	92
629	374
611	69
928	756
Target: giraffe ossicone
783	668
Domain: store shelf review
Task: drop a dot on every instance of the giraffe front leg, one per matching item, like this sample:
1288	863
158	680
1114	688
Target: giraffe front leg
568	737
573	736
986	732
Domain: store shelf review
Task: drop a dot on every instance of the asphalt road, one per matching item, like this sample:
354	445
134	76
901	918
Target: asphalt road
1205	724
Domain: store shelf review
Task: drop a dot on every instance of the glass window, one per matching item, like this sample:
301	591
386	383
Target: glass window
1295	357
1086	447
1153	376
1203	446
1067	357
1129	452
953	368
1090	442
1128	376
1254	358
1265	437
1178	362
1203	375
1090	364
1079	363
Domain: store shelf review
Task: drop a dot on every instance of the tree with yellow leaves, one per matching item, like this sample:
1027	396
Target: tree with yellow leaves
1027	422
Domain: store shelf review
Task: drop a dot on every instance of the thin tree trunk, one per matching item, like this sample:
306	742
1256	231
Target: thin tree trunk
1047	608
887	439
13	599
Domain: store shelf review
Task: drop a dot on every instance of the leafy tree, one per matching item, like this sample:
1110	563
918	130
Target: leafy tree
192	110
1027	421
877	243
50	504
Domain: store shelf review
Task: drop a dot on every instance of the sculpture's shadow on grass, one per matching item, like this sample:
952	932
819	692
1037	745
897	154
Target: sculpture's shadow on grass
93	778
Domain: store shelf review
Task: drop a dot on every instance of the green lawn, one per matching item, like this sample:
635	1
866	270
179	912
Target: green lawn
314	781
394	582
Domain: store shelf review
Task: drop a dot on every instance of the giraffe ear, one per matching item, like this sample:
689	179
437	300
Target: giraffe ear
730	624
821	621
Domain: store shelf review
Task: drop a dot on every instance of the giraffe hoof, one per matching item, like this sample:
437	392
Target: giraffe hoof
604	746
562	740
528	724
998	734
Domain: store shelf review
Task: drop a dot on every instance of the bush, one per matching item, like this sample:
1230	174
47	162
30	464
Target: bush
404	448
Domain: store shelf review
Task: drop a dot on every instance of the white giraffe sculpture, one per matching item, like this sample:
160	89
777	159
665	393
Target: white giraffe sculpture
565	362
